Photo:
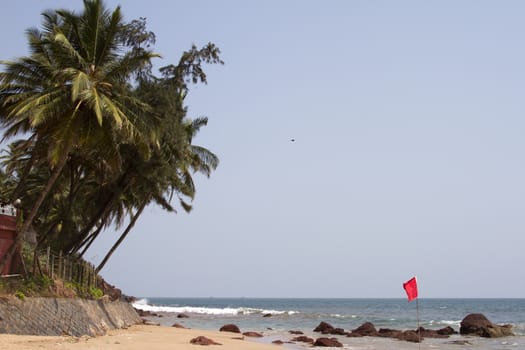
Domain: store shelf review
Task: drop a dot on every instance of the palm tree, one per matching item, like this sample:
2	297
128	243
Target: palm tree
72	93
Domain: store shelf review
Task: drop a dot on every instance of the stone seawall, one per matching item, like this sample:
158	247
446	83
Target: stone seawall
64	316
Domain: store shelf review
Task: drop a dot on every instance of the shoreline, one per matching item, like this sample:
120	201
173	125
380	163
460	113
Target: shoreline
137	337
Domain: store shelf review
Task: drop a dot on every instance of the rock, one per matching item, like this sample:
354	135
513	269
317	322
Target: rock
267	315
278	342
328	342
230	328
296	332
150	323
411	336
389	333
478	324
430	333
201	340
447	331
338	331
182	316
366	329
253	334
113	292
178	325
303	339
324	327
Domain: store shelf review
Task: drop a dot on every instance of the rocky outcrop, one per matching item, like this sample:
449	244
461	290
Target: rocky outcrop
478	324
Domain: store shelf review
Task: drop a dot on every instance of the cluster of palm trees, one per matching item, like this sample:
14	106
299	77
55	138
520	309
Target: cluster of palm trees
94	135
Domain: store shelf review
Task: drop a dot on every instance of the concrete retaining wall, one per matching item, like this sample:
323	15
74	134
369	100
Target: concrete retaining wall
63	316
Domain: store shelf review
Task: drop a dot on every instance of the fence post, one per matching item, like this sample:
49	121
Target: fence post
48	257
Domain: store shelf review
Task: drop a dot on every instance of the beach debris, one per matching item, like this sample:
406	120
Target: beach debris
202	340
182	316
328	342
478	324
303	339
230	328
253	334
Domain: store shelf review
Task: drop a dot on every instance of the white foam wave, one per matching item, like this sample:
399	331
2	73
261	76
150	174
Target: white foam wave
144	305
447	322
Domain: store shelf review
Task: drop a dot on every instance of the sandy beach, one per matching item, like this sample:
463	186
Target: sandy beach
134	338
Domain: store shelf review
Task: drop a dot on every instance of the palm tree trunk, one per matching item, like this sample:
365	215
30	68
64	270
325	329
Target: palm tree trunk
88	241
128	229
84	235
38	203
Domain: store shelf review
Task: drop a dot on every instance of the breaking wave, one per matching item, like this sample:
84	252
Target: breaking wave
143	304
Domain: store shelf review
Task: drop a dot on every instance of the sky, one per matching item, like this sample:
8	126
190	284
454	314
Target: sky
408	154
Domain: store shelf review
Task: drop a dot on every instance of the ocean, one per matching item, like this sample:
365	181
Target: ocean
275	317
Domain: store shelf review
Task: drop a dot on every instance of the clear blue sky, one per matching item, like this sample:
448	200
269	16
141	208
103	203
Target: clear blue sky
408	120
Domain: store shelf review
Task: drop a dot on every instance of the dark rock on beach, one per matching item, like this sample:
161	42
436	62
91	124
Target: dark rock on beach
431	333
447	331
478	324
182	316
230	328
296	332
303	339
324	328
178	325
328	342
389	333
150	323
366	329
201	340
338	331
267	315
253	334
411	336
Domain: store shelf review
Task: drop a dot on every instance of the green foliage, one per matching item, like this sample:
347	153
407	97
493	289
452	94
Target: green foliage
96	293
20	295
116	136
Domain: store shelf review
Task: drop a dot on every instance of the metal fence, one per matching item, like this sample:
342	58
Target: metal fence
68	268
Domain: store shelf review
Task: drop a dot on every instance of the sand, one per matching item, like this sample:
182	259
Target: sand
135	338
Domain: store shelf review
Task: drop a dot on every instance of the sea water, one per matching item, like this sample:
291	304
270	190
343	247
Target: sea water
275	317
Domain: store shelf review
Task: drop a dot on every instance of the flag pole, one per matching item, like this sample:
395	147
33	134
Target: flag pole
418	326
410	287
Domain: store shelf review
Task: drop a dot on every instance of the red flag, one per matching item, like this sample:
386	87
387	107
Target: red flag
411	288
